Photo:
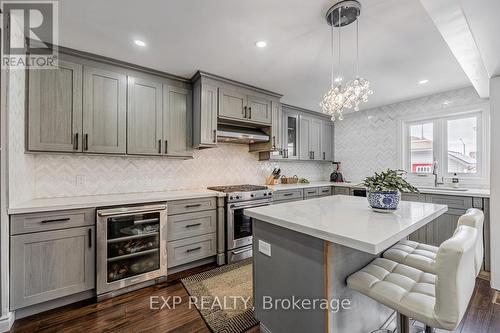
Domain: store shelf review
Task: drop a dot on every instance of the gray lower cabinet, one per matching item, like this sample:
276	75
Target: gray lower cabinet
52	264
144	116
177	120
288	195
325	191
55	108
191	230
443	227
310	193
104	111
337	190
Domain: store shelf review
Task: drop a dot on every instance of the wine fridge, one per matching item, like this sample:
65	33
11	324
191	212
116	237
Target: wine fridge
131	247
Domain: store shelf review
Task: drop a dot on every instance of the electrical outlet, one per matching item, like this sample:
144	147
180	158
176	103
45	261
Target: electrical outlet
80	181
264	248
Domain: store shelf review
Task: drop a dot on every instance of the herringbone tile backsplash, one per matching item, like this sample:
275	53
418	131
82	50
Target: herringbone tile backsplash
67	175
366	141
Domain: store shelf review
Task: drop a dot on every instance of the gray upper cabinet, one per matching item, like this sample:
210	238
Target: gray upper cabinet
232	104
144	111
310	138
204	113
55	108
327	140
277	126
177	118
291	135
49	265
259	110
104	111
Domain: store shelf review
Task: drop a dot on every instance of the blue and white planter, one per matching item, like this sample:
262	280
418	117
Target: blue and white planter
384	200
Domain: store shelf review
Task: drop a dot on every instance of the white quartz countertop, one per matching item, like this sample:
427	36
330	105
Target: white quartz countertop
43	205
483	193
349	221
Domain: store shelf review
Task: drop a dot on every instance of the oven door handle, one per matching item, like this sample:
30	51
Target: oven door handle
250	205
241	251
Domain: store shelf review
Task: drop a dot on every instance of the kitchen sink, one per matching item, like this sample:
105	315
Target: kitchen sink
443	188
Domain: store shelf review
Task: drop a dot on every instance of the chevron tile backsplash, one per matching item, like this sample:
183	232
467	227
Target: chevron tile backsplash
366	141
71	175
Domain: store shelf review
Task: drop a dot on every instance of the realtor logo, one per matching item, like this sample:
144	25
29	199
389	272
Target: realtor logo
29	34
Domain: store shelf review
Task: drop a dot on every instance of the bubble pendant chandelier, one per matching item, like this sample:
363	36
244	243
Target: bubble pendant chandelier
341	97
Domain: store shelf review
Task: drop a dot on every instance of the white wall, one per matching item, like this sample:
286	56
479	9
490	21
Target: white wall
495	183
367	141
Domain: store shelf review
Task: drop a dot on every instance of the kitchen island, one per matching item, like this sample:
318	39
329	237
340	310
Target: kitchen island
304	251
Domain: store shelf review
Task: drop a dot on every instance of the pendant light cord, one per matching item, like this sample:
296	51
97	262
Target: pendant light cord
357	47
333	52
338	67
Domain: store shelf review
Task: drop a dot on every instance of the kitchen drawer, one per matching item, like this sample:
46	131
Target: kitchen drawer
191	224
341	190
311	192
415	197
191	205
35	222
325	191
287	195
187	250
451	201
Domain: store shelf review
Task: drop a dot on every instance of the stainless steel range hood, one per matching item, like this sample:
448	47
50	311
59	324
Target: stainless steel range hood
236	134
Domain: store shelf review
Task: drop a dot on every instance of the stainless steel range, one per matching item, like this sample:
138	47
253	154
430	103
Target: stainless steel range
239	226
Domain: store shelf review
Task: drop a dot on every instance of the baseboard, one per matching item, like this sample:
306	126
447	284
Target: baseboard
42	307
7	321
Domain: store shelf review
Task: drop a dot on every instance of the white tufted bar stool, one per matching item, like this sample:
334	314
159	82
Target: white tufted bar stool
436	300
423	256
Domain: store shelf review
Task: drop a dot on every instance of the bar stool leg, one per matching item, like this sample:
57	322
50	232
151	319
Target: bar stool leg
429	329
403	324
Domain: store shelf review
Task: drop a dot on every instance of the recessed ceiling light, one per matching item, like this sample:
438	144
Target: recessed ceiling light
139	42
261	43
424	81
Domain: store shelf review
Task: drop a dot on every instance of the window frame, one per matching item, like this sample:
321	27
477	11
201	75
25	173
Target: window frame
440	141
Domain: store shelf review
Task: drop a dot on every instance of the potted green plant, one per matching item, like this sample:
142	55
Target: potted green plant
384	189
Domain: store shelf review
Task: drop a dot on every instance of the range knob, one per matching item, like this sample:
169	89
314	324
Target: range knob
265	194
238	197
252	195
270	193
231	198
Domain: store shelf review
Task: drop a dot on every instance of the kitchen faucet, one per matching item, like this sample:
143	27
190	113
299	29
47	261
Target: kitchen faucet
435	173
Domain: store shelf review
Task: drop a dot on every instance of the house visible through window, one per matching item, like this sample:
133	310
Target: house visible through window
421	148
453	141
462	145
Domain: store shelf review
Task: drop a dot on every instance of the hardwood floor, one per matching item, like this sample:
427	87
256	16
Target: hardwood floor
131	313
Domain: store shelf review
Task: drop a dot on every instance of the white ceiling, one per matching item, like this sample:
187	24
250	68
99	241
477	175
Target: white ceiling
399	43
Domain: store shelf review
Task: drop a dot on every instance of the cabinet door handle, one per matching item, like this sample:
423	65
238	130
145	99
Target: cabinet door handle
193	206
193	249
90	238
166	146
324	156
244	112
159	146
250	113
75	145
193	225
215	136
287	194
312	155
86	146
56	220
274	142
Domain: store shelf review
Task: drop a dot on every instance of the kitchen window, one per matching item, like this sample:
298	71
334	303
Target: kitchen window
457	142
